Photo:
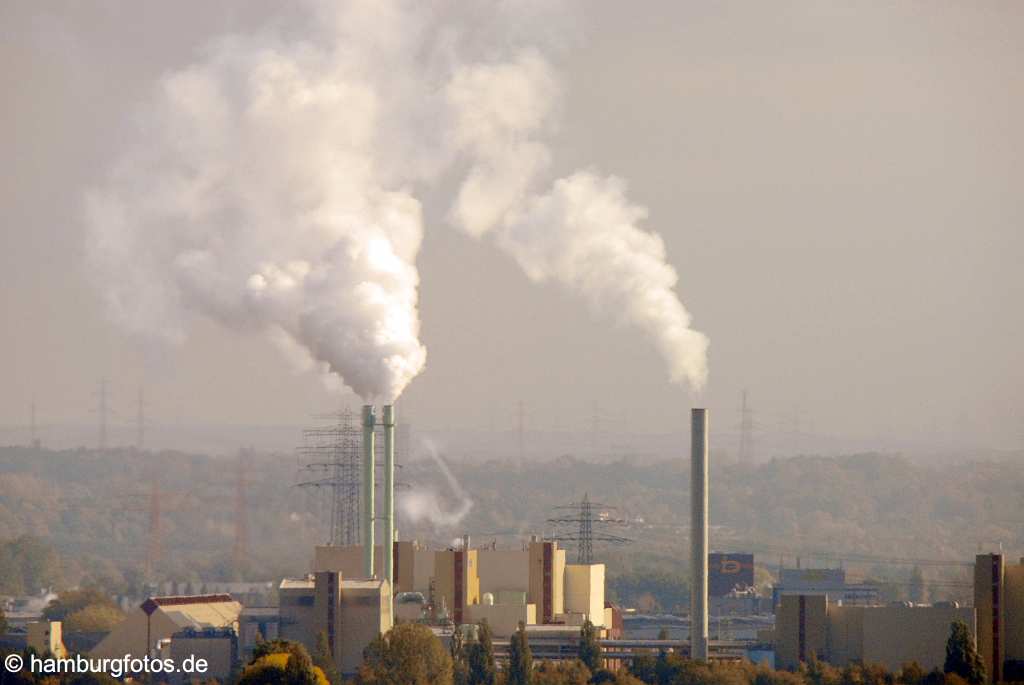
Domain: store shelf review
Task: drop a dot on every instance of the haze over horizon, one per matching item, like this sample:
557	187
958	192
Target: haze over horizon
839	189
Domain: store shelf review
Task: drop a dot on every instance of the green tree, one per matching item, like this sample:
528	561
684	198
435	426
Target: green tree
94	618
625	678
409	654
70	601
561	673
520	660
644	667
3	621
323	659
912	674
817	672
460	669
28	565
961	656
589	650
480	657
281	663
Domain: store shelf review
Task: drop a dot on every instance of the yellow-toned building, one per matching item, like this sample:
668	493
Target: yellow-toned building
347	560
46	638
547	579
584	593
456	582
999	602
504	571
502	619
349	613
886	635
158	618
413	566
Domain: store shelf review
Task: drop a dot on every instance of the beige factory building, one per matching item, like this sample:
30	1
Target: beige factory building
159	618
547	579
999	602
886	635
218	647
414	566
502	619
504	573
532	585
350	613
584	594
456	582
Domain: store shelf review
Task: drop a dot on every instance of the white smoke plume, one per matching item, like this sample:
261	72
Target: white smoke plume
583	233
275	186
424	504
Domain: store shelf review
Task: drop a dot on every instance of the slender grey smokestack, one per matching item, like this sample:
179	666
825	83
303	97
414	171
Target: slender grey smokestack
368	488
699	534
388	540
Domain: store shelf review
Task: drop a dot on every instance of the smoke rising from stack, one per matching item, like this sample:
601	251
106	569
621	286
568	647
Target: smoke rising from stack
275	186
425	504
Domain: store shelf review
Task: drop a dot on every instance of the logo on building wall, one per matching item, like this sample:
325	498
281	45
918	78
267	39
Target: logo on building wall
729	571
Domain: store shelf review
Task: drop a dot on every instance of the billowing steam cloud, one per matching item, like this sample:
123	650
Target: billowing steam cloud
583	233
424	504
274	187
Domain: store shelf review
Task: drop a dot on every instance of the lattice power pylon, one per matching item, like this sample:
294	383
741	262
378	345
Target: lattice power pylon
332	462
578	526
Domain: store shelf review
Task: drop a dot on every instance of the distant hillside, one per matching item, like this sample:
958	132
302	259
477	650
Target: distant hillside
875	512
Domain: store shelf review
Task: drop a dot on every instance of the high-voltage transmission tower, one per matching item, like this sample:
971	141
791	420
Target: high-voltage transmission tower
578	526
331	461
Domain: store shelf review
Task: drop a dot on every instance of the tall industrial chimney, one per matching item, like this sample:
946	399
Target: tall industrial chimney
368	490
389	495
699	534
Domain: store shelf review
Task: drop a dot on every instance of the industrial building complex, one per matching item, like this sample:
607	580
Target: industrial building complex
356	592
823	625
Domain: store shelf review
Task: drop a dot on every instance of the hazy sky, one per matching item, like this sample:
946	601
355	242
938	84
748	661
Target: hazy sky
839	185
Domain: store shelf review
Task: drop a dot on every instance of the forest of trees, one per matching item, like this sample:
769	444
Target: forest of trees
81	517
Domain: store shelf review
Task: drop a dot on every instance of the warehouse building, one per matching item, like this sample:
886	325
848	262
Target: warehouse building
349	613
823	581
888	635
999	603
158	619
